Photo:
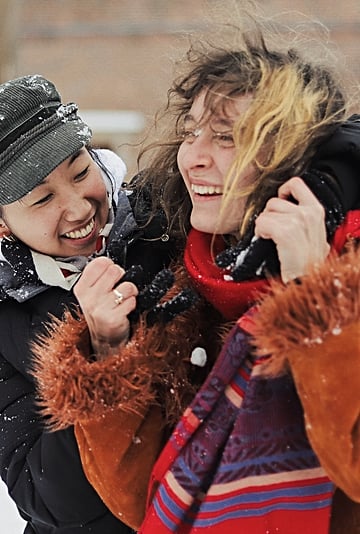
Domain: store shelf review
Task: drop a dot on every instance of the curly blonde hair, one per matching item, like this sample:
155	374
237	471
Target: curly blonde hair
294	106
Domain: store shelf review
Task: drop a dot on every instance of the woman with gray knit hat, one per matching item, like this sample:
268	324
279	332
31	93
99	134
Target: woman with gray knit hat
61	204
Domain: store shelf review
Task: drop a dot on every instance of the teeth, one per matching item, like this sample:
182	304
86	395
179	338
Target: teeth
83	232
206	189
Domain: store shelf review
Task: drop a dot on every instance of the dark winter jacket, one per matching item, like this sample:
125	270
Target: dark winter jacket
42	469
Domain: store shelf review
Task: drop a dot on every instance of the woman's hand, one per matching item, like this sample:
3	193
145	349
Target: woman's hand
298	229
98	291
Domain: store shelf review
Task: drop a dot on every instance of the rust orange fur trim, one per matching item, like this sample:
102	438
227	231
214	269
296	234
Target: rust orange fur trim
152	368
306	312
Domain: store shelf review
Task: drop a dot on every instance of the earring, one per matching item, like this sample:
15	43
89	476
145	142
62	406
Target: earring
10	238
5	233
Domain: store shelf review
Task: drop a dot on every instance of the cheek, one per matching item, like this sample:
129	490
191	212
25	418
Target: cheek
181	157
102	195
225	162
97	190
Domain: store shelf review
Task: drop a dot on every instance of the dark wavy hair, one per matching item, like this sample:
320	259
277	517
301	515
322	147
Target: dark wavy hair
294	106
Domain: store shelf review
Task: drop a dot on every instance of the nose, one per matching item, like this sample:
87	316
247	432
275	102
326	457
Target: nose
197	153
76	208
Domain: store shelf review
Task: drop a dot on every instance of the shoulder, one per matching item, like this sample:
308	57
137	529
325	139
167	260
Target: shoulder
339	155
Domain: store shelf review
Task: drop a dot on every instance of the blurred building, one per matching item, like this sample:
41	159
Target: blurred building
115	57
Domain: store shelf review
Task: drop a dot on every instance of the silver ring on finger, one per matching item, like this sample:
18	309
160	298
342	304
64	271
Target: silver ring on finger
119	297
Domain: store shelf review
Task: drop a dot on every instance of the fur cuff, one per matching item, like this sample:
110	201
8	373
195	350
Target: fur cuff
72	388
154	367
304	313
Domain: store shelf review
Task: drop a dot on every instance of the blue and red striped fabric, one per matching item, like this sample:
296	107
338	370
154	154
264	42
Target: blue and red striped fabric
239	460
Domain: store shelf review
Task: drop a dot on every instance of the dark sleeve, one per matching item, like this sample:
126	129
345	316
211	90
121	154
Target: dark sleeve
143	237
340	157
41	469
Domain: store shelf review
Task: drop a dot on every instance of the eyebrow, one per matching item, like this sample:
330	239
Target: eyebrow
215	120
223	121
74	157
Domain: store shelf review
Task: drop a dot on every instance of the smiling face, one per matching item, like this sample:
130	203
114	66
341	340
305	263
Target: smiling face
204	159
65	213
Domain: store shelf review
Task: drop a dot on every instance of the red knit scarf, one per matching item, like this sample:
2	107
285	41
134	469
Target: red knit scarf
230	298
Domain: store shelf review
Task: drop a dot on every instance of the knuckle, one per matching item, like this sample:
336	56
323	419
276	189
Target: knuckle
129	287
115	270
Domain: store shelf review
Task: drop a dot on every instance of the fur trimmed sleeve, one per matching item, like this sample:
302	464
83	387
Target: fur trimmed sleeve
154	367
305	313
312	328
73	387
111	403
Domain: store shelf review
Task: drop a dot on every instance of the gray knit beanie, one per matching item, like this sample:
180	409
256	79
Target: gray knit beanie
37	133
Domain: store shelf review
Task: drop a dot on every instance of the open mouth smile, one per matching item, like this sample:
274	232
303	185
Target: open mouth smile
206	189
82	232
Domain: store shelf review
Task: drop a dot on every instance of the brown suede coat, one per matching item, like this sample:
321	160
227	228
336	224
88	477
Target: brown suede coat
124	406
311	329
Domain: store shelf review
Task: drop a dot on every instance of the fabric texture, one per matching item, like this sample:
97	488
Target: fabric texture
318	342
310	335
240	457
154	368
231	299
37	133
119	460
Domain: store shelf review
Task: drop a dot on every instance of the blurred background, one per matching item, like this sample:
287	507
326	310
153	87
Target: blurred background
115	59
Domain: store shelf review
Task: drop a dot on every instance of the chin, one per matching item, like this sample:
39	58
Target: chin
209	228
